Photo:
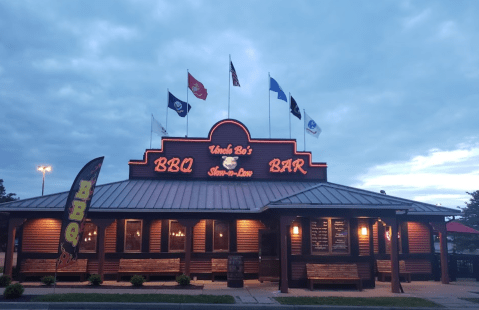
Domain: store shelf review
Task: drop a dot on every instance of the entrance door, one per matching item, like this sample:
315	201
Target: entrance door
268	256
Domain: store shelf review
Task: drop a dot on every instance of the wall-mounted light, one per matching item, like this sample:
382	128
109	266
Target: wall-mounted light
364	231
295	230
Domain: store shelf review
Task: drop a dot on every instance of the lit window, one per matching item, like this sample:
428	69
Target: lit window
133	235
88	241
221	236
177	236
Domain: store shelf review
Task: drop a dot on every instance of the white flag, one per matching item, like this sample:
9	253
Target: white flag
310	126
157	128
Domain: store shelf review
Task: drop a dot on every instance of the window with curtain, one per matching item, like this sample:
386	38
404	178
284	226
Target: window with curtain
221	236
89	238
177	236
133	235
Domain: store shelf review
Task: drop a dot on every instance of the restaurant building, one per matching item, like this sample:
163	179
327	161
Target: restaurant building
201	199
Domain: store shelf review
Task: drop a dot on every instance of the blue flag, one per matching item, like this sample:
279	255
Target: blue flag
274	86
178	105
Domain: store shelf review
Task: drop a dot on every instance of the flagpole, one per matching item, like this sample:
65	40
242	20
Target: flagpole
269	103
187	114
304	113
167	102
289	112
229	86
151	128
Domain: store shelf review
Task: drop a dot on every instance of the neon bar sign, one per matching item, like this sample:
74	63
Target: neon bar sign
290	166
229	150
174	165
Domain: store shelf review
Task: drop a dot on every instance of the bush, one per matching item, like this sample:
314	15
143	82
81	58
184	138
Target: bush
137	280
95	279
13	291
183	280
5	281
48	280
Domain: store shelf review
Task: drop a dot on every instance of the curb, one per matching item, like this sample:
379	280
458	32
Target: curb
175	306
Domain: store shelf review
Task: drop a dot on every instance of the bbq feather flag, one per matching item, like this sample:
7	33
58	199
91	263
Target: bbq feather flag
75	212
310	126
233	75
294	108
178	105
197	87
274	86
157	128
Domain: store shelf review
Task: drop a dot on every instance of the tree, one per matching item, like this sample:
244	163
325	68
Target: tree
470	218
4	197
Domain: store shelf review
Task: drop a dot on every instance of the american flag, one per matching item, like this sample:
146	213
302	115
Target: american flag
233	75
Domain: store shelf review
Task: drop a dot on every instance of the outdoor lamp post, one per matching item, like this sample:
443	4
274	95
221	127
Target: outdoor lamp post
43	169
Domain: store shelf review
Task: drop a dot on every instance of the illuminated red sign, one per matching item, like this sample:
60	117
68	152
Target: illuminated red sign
228	153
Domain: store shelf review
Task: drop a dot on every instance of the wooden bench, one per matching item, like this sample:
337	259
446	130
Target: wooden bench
219	266
46	267
333	274
148	267
384	270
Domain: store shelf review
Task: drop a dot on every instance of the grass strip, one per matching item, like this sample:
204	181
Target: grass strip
161	298
358	301
476	300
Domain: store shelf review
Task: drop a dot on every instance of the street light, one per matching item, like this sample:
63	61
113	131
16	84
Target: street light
43	169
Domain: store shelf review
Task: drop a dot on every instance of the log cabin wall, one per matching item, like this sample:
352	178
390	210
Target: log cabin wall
296	239
247	235
419	237
364	248
419	242
41	235
155	236
110	238
199	237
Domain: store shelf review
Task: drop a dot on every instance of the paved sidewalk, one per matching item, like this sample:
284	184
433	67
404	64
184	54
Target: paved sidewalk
256	295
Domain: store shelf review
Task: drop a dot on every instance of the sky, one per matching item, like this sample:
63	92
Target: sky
392	84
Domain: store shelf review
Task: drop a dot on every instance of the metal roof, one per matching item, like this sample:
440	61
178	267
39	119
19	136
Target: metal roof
226	196
323	195
327	195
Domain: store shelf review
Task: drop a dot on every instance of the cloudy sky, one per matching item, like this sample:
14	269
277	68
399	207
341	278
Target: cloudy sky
392	84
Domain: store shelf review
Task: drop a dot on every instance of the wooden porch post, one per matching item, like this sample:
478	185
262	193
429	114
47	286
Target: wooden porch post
441	228
102	224
392	222
13	223
284	222
189	224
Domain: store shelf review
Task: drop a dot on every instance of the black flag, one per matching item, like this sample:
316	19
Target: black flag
294	108
76	208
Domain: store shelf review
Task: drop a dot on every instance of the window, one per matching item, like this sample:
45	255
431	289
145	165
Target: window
329	236
177	236
221	236
133	235
88	242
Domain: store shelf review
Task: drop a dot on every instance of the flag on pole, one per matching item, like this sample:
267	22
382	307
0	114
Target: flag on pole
274	86
157	128
178	105
310	126
75	213
233	75
294	108
197	87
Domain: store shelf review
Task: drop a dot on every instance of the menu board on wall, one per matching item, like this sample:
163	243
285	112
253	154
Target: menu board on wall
319	236
339	236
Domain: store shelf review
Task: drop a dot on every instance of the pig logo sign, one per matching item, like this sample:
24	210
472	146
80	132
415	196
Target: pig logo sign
230	162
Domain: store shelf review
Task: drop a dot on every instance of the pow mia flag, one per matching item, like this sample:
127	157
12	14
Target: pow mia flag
294	108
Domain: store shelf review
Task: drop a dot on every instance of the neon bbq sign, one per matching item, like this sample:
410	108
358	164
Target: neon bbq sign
227	153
